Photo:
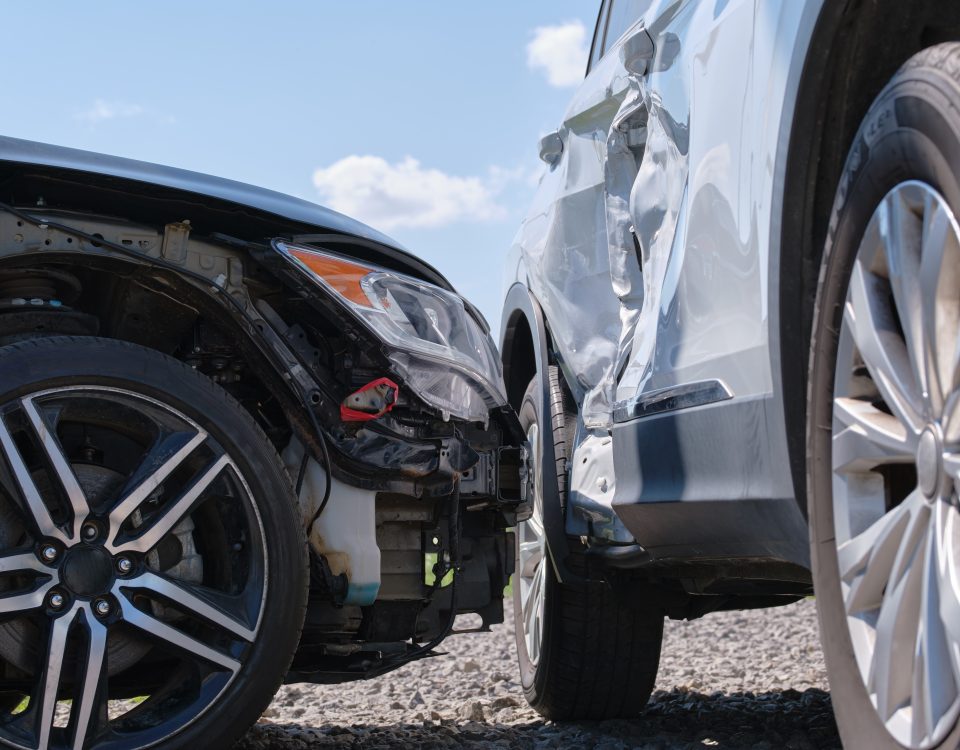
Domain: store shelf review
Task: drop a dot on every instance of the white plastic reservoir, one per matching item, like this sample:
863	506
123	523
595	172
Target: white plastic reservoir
346	531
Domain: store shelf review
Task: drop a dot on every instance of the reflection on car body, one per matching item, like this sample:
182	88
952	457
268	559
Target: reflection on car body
716	176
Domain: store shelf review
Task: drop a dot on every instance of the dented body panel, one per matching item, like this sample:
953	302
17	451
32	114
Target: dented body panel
649	247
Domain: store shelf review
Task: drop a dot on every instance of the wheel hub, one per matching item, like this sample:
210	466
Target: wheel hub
18	642
87	571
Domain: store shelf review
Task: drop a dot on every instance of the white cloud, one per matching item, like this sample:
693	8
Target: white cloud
561	52
406	194
103	110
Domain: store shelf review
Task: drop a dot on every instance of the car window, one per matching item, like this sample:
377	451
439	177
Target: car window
622	15
596	49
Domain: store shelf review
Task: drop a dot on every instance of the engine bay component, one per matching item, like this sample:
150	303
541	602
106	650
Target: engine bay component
374	400
35	302
27	284
344	532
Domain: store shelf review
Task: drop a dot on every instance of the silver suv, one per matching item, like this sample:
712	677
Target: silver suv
732	333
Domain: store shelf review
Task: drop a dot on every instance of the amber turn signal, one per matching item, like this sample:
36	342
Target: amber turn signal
340	275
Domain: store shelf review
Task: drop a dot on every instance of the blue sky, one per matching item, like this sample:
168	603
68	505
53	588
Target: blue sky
421	118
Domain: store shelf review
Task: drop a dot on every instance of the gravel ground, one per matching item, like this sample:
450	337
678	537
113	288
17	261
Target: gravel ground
730	680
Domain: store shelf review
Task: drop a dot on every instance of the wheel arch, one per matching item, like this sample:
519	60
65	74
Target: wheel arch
167	307
525	349
517	352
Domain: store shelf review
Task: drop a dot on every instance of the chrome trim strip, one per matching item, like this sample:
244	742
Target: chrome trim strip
671	398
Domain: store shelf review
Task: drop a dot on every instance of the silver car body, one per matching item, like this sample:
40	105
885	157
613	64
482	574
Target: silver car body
652	247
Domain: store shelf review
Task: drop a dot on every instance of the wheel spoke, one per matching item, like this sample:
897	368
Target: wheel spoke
912	542
533	595
939	277
23	602
28	488
948	568
920	710
14	562
902	231
179	640
884	352
93	665
61	466
867	561
530	547
951	464
17	562
167	465
951	420
528	607
935	678
891	674
532	614
531	553
171	516
50	681
534	523
191	603
538	611
871	438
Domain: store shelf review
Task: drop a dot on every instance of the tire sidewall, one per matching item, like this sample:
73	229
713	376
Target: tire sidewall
42	364
533	677
899	140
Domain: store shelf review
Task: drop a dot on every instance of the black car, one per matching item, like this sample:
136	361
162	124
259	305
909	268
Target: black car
245	440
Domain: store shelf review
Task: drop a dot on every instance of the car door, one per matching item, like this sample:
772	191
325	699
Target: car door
696	416
564	240
692	204
648	250
636	303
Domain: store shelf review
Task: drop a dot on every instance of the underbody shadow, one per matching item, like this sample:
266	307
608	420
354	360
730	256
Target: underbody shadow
677	719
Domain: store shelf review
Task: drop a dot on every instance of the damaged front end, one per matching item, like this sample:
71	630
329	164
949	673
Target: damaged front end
410	526
378	385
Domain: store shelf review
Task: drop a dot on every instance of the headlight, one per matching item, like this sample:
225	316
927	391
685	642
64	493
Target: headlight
435	344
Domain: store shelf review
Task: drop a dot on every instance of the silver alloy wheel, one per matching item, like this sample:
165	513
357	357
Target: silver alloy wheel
205	628
896	463
532	557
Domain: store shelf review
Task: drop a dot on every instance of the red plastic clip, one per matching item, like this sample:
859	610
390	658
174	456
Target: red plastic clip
374	400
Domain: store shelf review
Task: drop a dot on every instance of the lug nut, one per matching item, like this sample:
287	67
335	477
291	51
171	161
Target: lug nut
56	601
102	607
90	531
48	553
124	566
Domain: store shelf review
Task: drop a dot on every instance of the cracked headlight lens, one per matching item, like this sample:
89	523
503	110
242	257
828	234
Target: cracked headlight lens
436	345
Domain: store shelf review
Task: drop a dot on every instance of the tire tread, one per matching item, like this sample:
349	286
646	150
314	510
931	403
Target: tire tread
602	657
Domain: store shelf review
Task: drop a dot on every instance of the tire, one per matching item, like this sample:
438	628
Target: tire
179	579
597	655
886	516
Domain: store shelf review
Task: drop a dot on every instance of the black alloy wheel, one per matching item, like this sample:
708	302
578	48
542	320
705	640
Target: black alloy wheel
152	564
